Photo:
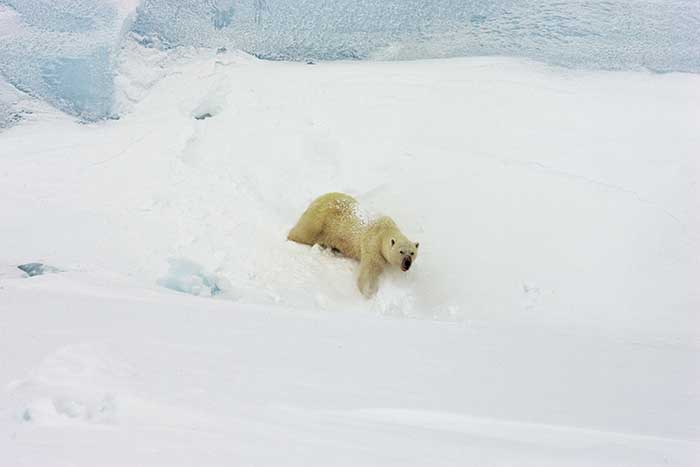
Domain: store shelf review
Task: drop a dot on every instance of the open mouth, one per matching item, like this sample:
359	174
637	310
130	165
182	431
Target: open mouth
406	264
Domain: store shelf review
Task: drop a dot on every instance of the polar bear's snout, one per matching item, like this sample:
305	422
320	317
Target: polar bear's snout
406	263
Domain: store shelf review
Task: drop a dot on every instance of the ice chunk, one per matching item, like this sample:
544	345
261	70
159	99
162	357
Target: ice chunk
189	277
37	269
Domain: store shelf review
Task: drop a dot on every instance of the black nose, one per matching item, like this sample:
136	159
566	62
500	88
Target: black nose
406	263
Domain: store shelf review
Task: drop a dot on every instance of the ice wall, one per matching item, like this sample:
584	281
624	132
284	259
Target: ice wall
608	34
64	50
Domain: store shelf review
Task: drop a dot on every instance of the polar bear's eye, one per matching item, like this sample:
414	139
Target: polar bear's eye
402	252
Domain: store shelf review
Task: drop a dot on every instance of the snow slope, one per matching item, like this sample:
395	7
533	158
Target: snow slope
550	319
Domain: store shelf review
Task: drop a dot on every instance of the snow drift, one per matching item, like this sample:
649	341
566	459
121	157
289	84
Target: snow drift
551	318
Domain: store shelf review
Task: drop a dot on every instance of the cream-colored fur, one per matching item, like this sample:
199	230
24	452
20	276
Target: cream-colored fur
335	220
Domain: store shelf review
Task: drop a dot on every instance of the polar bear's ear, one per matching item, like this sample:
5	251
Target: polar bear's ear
417	244
393	242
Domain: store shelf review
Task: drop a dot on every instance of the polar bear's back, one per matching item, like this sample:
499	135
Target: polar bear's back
336	220
342	221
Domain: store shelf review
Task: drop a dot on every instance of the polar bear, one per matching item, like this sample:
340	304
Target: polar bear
335	220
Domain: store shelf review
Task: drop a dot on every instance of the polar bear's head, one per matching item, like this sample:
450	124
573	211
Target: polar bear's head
401	252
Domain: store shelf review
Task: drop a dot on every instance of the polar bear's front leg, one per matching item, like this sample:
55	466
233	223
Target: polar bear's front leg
368	279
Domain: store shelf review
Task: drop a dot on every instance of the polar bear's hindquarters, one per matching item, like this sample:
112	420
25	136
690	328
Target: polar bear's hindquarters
306	230
330	220
309	227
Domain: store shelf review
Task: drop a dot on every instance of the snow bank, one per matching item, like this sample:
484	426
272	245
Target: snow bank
106	372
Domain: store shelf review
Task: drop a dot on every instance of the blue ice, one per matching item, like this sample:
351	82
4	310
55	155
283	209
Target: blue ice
65	51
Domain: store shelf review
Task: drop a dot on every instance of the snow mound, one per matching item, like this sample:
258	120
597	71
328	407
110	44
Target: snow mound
76	383
522	227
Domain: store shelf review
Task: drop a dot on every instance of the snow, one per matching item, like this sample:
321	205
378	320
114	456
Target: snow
105	373
550	319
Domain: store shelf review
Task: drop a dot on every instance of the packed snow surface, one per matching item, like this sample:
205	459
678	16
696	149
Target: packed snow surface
550	319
